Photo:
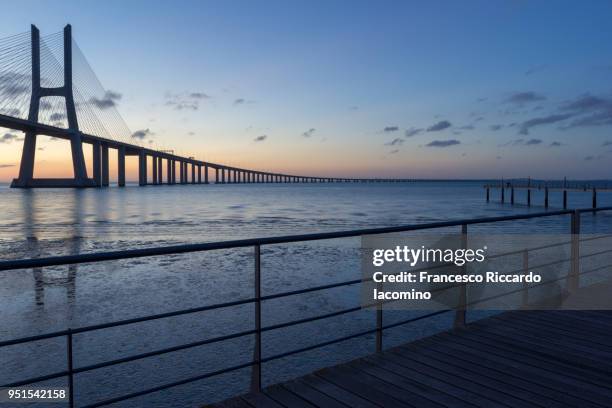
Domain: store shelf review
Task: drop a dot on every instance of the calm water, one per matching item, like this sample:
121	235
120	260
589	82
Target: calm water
53	222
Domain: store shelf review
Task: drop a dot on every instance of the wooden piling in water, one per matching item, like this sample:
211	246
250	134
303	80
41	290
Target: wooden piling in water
512	195
528	197
546	197
594	197
565	199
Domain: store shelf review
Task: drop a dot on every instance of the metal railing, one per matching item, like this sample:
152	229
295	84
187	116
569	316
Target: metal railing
257	299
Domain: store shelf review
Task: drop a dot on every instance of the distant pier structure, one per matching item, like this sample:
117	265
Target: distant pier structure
508	188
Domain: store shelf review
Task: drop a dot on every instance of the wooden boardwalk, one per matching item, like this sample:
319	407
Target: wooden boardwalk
516	359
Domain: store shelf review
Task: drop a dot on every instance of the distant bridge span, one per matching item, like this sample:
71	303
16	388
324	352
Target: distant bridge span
190	170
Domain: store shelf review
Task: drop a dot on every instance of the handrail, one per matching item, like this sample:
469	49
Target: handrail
257	299
241	243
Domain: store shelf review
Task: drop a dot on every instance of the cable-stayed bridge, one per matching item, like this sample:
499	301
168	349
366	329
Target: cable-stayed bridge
47	87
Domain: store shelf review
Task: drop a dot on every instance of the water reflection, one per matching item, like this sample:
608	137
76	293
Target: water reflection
57	276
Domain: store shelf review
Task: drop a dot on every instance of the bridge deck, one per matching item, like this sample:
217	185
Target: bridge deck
516	359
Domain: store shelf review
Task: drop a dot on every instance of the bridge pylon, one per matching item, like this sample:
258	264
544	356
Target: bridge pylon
26	169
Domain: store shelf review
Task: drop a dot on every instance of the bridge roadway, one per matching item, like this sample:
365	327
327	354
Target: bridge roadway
519	359
101	146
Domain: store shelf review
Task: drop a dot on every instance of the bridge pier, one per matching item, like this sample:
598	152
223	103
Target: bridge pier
193	173
173	171
105	166
154	169
96	163
160	170
121	166
142	168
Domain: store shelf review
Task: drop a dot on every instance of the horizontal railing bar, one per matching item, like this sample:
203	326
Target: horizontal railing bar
311	319
169	385
319	345
536	285
126	322
414	319
268	297
162	351
313	289
33	380
179	249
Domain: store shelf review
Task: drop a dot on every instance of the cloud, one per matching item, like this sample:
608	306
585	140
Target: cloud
413	131
353	108
467	127
141	134
587	103
545	120
532	142
607	143
239	101
591	158
185	100
309	132
520	98
522	142
394	151
57	117
441	125
260	138
395	142
534	69
199	95
5	166
556	144
8	138
498	157
495	128
389	129
443	143
589	110
109	100
12	84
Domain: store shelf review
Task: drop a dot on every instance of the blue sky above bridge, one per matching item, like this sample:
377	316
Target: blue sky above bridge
423	89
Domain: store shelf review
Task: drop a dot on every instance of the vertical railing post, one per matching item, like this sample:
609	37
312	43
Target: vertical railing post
70	368
256	372
460	314
379	321
574	276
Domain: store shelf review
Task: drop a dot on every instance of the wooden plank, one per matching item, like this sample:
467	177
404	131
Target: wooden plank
337	393
312	395
560	344
286	398
407	358
428	378
542	395
577	333
259	400
536	374
362	388
391	386
529	357
236	402
392	375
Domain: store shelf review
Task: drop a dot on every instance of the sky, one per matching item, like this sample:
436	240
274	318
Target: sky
437	89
